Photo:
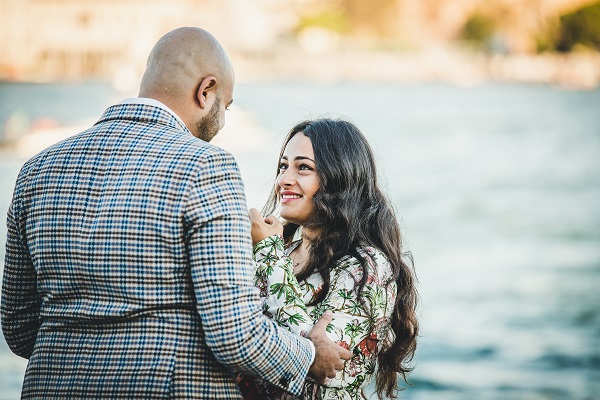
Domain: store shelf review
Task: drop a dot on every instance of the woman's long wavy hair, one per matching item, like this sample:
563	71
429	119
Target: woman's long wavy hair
351	211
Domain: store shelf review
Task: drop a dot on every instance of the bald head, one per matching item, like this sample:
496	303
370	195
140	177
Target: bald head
177	67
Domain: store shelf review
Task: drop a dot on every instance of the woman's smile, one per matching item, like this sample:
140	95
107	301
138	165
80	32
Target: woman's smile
287	196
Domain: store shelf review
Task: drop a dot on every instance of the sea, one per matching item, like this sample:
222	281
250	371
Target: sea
497	188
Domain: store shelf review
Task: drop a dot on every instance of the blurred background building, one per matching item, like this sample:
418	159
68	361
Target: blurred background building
407	40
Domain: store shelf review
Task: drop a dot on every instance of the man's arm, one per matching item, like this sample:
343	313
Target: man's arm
20	300
219	251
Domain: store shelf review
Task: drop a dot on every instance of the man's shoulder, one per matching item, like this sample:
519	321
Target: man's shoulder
162	128
216	154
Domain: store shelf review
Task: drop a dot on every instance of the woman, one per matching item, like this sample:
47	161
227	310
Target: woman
341	251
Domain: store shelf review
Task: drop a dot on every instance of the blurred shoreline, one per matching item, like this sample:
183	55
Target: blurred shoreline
574	71
324	63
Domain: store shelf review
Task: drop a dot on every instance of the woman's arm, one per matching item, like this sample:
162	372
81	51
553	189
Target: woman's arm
279	287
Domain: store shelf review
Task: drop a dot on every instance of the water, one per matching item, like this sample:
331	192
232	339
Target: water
498	189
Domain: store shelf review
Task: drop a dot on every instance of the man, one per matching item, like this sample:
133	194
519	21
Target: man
128	270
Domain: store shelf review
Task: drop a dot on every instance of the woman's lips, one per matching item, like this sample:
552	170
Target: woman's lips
287	197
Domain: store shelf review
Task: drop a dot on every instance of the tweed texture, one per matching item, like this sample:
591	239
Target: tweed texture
128	270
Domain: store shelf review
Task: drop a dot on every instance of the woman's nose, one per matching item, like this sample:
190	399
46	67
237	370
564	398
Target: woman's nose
286	179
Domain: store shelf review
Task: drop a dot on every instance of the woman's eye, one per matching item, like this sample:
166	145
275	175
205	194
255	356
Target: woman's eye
282	167
306	167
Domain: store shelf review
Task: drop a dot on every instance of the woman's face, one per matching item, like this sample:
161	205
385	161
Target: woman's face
297	181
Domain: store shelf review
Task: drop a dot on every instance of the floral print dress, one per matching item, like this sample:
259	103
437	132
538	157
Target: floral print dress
356	325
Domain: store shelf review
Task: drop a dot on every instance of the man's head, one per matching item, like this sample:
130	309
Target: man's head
190	73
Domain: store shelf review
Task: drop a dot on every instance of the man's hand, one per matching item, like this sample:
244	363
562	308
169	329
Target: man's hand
262	228
328	355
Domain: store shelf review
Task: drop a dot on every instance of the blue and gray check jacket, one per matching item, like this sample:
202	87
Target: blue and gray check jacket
128	270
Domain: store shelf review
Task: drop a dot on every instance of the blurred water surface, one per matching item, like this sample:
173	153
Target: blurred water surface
498	191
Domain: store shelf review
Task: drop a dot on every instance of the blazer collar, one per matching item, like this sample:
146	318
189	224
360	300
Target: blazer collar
144	113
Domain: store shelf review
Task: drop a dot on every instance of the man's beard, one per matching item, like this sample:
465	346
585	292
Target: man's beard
208	126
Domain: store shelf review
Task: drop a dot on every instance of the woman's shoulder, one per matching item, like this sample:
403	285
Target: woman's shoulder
372	253
375	261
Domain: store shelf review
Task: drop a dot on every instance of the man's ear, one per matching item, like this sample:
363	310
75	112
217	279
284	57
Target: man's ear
207	85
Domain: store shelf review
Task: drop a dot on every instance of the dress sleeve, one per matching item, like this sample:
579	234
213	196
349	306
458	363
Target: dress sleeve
279	289
358	324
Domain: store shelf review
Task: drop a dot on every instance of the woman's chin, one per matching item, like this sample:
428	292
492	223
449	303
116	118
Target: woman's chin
290	218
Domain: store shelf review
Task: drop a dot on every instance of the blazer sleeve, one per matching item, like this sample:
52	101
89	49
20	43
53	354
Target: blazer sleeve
358	324
20	300
219	254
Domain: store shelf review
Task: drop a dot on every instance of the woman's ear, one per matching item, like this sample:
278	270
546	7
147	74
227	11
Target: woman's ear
207	85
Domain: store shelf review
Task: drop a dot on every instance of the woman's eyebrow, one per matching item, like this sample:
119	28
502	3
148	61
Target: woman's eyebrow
303	158
297	158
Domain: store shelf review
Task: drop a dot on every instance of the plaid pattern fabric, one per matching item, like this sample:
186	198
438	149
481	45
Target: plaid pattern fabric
128	269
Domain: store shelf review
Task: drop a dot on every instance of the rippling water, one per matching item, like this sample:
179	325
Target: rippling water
498	188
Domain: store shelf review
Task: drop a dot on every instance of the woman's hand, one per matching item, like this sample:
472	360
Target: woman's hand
262	228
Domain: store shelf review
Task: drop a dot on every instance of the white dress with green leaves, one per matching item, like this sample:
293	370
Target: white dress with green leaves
358	326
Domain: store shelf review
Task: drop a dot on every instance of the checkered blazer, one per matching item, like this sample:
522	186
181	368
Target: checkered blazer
128	270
